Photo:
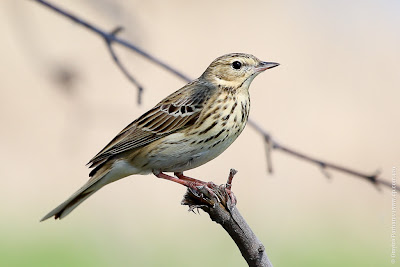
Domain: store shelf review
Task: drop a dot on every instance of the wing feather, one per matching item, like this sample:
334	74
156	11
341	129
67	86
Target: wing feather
179	110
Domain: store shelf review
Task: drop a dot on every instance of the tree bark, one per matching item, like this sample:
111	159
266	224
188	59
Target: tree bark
220	204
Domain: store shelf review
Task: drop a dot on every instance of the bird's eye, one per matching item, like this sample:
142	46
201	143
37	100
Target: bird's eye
236	65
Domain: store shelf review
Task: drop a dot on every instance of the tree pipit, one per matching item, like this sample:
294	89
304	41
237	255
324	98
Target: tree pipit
185	130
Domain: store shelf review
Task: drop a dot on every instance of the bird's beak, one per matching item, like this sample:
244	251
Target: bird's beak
266	65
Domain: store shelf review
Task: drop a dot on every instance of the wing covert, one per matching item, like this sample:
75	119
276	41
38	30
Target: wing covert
179	110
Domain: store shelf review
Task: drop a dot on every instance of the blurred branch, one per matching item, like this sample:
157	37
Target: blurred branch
119	64
270	142
112	38
273	144
220	205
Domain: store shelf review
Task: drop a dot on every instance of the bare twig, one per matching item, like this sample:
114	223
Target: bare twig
372	178
119	64
110	37
232	173
268	150
223	211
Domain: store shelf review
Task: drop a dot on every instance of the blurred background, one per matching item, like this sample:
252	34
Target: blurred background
335	96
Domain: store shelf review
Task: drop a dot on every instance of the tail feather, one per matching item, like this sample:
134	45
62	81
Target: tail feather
96	182
67	206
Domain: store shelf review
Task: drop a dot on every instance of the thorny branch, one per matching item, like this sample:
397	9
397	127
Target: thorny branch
270	142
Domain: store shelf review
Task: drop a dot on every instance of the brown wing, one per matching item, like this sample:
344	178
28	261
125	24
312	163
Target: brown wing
179	110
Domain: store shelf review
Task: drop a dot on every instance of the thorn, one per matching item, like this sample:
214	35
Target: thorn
198	211
374	179
117	30
326	173
191	209
324	169
268	149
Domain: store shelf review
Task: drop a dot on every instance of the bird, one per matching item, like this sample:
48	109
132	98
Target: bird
183	131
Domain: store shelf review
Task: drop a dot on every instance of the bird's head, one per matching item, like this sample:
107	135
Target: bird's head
235	70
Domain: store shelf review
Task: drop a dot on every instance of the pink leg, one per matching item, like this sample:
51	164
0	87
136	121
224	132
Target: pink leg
180	175
186	181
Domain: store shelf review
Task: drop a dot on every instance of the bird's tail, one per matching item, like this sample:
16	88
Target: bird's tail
99	179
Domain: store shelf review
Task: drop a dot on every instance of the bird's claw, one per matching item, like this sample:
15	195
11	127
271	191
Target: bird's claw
204	191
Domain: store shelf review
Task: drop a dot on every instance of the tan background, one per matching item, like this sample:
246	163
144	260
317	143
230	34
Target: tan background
335	96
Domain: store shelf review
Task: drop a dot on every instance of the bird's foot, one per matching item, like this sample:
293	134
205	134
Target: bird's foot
208	195
197	186
181	176
206	192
